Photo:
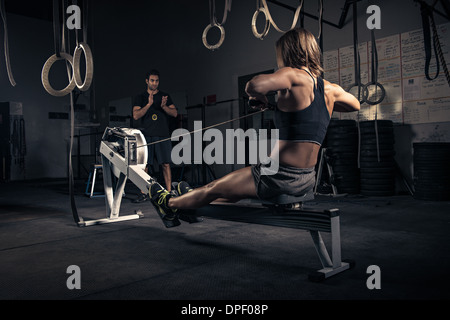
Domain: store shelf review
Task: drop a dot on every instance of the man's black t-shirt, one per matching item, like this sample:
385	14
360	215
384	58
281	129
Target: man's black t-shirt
155	123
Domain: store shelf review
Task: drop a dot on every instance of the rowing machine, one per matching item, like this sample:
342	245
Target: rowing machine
123	158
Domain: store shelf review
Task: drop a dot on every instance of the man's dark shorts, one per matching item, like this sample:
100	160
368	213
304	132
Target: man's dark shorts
162	151
288	180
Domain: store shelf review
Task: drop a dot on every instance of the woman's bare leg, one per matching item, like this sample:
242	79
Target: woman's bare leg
234	187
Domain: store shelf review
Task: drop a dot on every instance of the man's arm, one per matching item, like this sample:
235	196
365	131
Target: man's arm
139	112
171	110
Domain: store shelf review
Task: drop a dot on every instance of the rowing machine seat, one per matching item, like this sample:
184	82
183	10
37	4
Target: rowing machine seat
285	199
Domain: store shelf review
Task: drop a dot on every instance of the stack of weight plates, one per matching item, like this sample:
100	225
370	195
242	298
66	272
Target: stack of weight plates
342	154
432	171
377	162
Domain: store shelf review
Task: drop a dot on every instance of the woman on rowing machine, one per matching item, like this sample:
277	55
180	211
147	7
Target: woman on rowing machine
304	107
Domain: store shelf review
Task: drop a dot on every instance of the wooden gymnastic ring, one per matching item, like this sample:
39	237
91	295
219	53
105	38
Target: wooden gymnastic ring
222	36
266	27
46	70
365	93
83	85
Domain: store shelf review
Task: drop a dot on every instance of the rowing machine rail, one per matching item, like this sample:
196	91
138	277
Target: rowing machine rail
295	216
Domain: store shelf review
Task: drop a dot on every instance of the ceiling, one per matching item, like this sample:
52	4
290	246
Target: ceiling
41	9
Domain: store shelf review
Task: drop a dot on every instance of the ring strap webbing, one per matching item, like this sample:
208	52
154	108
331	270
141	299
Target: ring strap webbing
6	43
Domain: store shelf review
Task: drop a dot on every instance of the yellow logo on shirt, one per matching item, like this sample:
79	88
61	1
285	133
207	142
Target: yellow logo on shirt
154	117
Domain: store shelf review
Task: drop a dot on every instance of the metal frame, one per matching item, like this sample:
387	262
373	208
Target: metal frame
91	183
131	166
291	216
320	169
341	22
334	265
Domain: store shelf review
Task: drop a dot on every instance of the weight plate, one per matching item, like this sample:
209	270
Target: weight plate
343	156
348	190
378	187
377	165
374	147
343	149
339	137
385	181
372	193
377	170
344	163
374	153
369	175
380	123
342	130
375	159
342	123
343	143
382	130
433	145
430	172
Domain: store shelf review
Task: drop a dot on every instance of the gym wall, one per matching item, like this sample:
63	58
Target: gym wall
128	38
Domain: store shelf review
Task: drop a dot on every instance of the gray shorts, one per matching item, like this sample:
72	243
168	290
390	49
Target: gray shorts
288	180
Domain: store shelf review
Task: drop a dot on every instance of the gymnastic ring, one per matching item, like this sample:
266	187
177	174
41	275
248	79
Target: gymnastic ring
46	70
266	27
222	36
83	86
365	93
351	87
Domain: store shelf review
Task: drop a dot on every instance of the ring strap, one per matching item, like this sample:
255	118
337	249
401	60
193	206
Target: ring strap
56	27
374	82
6	46
437	47
426	14
83	85
374	57
357	58
213	23
294	22
85	21
320	19
212	12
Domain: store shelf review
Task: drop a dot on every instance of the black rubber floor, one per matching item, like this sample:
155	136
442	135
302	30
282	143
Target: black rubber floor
217	260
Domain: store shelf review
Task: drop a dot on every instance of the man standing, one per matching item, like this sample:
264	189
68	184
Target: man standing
153	108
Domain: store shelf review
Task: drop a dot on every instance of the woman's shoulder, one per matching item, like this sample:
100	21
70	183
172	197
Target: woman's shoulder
299	77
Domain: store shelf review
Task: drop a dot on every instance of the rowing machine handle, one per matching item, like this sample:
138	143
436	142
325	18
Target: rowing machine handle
255	103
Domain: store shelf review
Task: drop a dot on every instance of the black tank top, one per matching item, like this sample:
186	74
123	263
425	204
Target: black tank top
307	125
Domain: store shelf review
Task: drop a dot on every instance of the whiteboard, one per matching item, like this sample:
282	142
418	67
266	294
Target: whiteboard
410	97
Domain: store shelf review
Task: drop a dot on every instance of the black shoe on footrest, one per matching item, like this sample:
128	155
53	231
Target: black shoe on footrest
183	187
141	198
159	198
